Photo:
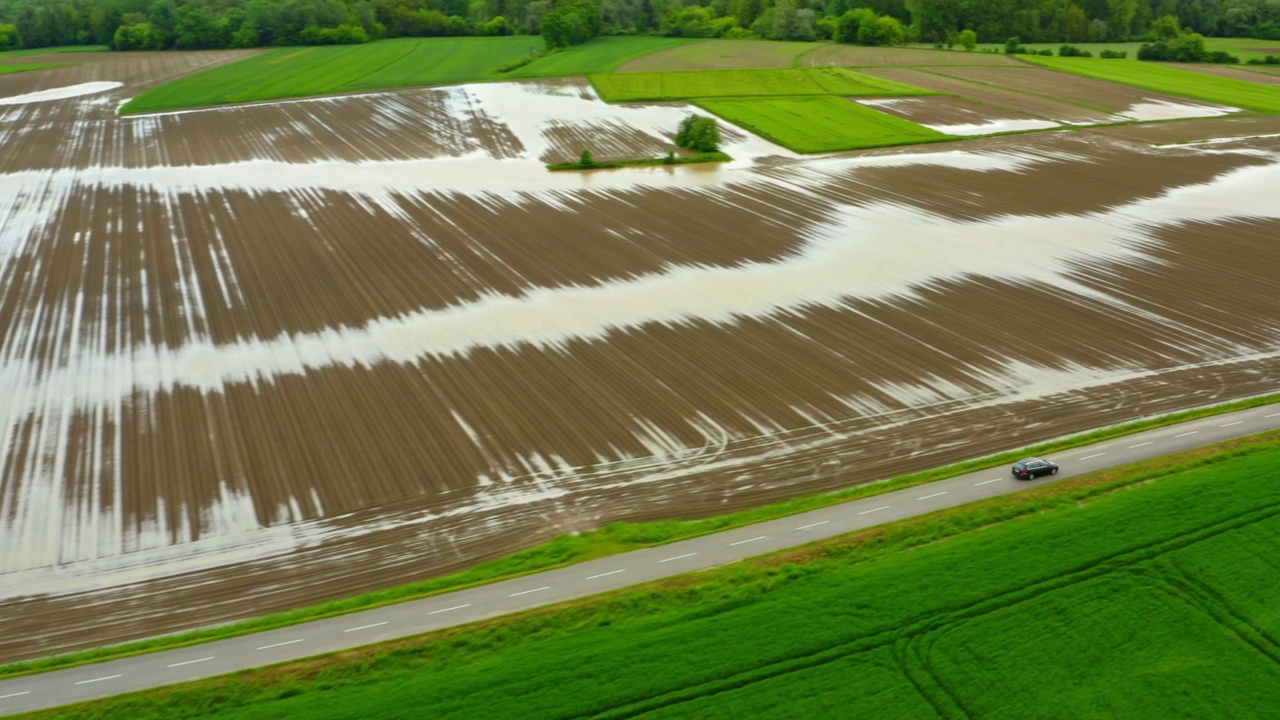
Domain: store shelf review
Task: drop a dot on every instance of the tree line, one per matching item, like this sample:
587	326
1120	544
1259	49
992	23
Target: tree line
198	24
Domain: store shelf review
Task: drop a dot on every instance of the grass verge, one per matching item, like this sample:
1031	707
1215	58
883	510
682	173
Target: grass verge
1136	592
820	123
1170	80
612	539
7	69
53	50
642	162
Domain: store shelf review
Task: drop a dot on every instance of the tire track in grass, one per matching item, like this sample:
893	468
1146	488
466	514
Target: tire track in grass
1196	593
1119	561
913	664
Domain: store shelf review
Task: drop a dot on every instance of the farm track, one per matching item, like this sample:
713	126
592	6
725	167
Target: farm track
263	356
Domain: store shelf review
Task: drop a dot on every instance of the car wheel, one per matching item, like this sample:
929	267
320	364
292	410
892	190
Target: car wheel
1053	471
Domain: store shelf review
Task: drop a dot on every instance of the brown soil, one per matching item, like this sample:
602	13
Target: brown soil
1060	87
1194	131
945	110
999	97
717	55
606	142
854	56
186	367
1248	73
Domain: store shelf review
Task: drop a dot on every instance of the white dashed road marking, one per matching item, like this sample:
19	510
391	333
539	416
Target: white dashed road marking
1272	415
885	507
109	677
366	627
1193	432
191	662
1141	444
744	542
679	557
806	527
455	607
290	642
926	497
526	592
24	692
615	572
1086	457
1238	422
984	482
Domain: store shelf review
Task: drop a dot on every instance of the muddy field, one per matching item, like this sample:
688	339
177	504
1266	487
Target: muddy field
256	357
957	116
1045	108
1053	96
1247	73
854	56
1119	100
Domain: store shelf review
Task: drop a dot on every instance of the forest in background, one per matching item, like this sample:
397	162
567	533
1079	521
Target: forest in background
201	24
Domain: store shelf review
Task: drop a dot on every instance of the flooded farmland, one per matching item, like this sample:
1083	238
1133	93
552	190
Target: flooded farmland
260	356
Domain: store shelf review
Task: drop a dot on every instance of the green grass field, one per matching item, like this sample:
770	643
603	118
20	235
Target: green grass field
403	62
818	124
1171	80
641	87
8	69
61	49
1149	591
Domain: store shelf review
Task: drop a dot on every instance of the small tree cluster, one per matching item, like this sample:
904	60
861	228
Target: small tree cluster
1073	51
10	38
1186	47
861	26
571	23
698	133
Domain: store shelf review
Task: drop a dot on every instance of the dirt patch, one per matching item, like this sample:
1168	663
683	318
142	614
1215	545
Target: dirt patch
1252	74
719	55
854	56
997	97
1264	127
957	116
1098	95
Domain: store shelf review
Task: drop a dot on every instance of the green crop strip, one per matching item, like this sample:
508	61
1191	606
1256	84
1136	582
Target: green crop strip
819	124
1170	80
8	69
639	87
1138	592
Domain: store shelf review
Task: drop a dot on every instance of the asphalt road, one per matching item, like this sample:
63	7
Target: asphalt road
223	656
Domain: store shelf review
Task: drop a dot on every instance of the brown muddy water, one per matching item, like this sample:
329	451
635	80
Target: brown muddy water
262	356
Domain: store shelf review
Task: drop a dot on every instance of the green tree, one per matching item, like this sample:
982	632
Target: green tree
1166	28
571	23
699	133
1077	24
10	39
850	22
968	40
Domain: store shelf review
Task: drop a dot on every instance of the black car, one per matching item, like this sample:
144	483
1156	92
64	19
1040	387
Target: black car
1033	468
